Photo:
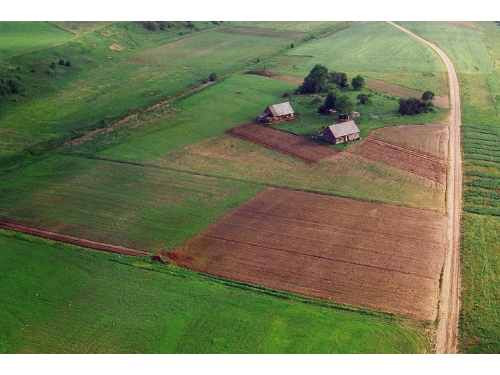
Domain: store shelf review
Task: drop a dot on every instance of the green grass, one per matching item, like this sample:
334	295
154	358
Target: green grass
20	37
203	115
58	298
480	298
463	46
139	207
366	46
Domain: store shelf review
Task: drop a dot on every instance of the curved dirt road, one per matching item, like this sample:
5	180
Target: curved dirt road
449	306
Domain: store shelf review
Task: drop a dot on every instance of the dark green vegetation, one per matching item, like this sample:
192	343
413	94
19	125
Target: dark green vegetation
59	298
88	91
475	52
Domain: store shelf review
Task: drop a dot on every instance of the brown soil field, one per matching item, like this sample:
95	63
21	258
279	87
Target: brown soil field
417	162
427	138
361	253
281	77
286	143
404	92
71	240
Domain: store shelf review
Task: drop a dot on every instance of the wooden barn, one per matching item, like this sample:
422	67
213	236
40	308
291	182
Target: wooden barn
342	132
348	116
276	113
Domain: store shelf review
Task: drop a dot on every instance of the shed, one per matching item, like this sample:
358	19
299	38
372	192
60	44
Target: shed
276	113
341	132
348	116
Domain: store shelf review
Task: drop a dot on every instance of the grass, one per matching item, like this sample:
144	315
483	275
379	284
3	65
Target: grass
21	37
463	46
58	298
365	46
138	207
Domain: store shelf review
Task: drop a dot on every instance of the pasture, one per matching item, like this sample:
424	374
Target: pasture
22	37
77	300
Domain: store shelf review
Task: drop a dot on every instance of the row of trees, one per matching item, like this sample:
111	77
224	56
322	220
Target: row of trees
320	79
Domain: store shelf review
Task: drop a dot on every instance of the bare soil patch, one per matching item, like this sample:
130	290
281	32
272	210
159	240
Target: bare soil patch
286	143
281	77
116	47
459	24
417	162
404	92
71	240
356	252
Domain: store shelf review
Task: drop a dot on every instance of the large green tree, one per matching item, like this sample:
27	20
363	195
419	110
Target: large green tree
316	81
358	82
344	104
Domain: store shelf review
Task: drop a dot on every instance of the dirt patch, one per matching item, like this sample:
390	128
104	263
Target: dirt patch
71	240
116	47
360	253
404	92
417	162
286	143
281	77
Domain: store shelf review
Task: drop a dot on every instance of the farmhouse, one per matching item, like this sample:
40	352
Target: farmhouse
276	113
341	132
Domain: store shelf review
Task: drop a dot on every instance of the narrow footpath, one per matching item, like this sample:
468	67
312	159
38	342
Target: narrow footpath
449	305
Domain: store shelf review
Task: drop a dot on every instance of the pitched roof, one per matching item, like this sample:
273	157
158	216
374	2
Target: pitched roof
344	128
280	109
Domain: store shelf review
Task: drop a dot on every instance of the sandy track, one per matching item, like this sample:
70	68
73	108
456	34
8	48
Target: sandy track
71	240
449	307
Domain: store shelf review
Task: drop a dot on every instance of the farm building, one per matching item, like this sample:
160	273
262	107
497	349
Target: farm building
341	132
276	113
348	116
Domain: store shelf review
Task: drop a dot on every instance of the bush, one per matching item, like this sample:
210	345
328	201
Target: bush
358	82
365	98
413	106
61	62
344	104
68	63
339	79
212	77
53	65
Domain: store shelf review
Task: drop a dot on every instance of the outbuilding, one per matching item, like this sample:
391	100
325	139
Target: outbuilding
276	113
342	132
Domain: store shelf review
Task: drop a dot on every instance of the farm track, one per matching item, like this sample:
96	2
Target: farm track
286	143
449	307
71	240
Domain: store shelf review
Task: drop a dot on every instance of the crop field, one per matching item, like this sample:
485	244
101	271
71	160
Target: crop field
286	143
20	37
330	248
137	207
345	174
417	162
81	301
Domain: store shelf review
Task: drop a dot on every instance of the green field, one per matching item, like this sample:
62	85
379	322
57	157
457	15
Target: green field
82	301
143	208
191	175
21	37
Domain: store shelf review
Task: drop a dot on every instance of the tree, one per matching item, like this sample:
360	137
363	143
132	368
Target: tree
365	98
344	104
329	103
212	77
427	96
61	62
413	106
316	81
358	82
339	79
68	63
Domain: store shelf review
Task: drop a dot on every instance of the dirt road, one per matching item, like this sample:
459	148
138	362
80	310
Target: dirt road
449	306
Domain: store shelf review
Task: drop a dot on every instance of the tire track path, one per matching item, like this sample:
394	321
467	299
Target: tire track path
449	305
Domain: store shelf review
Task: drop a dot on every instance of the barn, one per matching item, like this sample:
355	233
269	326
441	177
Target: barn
276	113
341	132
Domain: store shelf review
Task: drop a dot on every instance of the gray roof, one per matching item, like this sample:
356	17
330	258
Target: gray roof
280	109
344	128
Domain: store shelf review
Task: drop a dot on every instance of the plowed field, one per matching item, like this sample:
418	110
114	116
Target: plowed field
417	162
286	143
361	253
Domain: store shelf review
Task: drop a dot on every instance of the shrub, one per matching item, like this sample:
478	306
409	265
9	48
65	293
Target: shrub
53	65
365	98
413	106
212	77
61	62
68	63
358	82
339	79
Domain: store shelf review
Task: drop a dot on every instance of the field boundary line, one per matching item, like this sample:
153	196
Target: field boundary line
95	245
